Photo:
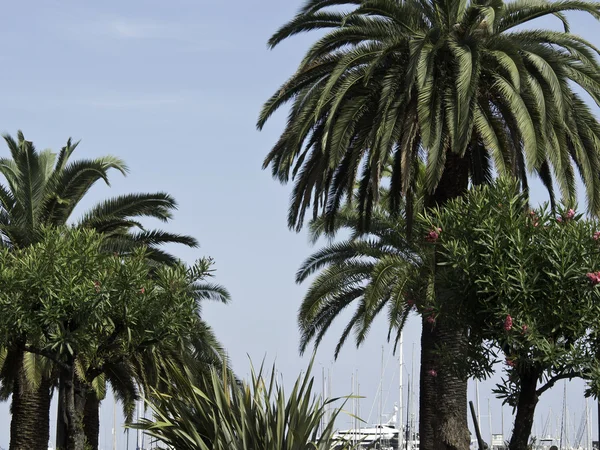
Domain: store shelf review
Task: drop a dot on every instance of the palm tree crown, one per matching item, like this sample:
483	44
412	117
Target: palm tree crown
398	82
43	189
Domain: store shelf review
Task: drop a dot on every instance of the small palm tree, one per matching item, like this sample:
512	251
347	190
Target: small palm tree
151	371
371	270
152	368
43	189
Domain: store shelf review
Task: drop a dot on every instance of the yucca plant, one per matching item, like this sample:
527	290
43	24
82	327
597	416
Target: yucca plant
222	413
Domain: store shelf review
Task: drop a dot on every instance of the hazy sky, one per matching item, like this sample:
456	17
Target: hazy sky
175	88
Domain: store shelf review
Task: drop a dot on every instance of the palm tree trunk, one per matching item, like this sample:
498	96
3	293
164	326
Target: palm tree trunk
452	429
75	395
61	418
91	420
30	409
528	399
428	388
443	404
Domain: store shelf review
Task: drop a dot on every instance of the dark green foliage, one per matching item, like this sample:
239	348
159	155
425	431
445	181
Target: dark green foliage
367	271
525	283
95	314
43	189
499	259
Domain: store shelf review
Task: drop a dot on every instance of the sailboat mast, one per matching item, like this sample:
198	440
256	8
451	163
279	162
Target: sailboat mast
353	408
357	403
357	420
381	397
413	426
588	423
323	396
490	422
114	423
329	411
400	399
564	414
408	417
502	413
139	433
598	421
477	402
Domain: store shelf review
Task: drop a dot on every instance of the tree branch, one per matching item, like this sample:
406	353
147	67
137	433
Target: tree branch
552	381
46	354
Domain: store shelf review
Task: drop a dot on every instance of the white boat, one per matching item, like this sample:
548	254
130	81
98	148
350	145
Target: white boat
380	436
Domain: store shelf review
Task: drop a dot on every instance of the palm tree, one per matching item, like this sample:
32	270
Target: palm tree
151	370
463	87
43	189
368	272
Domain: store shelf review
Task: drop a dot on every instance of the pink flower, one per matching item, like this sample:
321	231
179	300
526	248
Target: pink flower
524	328
508	323
433	235
570	213
535	224
559	219
594	277
532	212
432	373
596	235
97	286
143	290
510	362
431	319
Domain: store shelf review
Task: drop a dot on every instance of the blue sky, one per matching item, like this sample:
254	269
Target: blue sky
174	88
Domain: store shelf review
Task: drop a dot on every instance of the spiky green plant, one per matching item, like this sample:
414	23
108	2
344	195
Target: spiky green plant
222	413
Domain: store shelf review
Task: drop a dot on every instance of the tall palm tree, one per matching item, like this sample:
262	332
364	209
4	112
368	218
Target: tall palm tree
395	82
461	85
43	189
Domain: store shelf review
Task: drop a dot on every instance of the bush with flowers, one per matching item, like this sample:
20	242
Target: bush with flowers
525	283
